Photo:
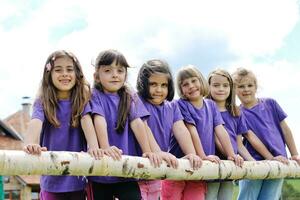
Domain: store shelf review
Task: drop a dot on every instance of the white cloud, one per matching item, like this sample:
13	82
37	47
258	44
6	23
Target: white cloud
250	28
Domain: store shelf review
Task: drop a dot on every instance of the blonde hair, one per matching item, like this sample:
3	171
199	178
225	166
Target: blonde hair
189	72
230	103
241	73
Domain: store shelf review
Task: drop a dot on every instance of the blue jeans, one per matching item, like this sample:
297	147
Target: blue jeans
260	189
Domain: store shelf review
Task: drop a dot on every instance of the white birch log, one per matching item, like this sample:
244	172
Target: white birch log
73	163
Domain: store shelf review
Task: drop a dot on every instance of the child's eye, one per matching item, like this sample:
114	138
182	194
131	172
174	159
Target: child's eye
58	70
152	84
70	69
226	85
164	85
121	70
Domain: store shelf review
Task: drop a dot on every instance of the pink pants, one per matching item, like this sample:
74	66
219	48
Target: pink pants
150	190
183	190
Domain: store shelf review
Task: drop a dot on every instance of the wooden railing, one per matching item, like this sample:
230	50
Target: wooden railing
73	163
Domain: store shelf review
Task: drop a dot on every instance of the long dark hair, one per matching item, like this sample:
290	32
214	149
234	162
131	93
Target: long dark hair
80	93
105	58
149	68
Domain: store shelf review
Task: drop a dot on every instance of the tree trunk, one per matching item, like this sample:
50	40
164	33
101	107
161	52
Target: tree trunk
73	163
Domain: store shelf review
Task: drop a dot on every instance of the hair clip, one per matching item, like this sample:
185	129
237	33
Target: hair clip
53	58
48	67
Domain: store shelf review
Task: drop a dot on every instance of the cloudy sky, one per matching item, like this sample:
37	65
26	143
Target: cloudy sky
262	35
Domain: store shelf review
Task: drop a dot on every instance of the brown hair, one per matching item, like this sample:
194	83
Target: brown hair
189	72
230	103
80	93
105	58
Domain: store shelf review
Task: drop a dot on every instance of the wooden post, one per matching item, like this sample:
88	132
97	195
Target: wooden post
73	163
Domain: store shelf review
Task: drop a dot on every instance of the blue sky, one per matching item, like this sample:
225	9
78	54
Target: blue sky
262	35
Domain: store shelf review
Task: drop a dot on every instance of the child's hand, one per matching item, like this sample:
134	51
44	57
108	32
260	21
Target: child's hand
296	158
282	159
169	158
113	152
237	159
195	160
96	153
212	158
154	158
34	149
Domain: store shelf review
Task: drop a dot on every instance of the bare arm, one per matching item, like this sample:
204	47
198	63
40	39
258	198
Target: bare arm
243	151
258	145
185	142
90	136
102	136
152	142
198	145
289	140
140	132
183	138
224	139
89	131
32	138
219	146
196	140
169	158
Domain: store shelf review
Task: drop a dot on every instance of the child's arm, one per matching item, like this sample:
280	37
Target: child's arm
198	145
33	137
184	140
169	158
102	136
90	136
223	137
140	132
259	146
289	140
243	151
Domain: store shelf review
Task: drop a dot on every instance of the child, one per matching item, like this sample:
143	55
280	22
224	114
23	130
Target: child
118	117
57	122
156	89
222	92
202	118
266	119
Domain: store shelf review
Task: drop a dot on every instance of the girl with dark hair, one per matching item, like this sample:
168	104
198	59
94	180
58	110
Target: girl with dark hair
156	88
118	116
61	122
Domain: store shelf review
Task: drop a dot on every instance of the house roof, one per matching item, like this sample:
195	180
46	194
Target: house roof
9	132
29	180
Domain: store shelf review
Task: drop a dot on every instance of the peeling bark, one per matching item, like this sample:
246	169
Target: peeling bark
73	163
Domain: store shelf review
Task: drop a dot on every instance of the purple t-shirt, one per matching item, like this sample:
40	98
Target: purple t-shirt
106	105
63	138
264	120
205	119
234	126
161	120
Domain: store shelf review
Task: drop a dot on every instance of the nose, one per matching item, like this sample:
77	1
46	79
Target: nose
115	73
158	88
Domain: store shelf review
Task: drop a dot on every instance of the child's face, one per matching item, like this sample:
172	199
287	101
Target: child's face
63	76
158	88
111	77
219	88
191	89
246	90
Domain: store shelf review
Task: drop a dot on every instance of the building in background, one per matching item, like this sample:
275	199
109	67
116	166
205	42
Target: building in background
12	134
